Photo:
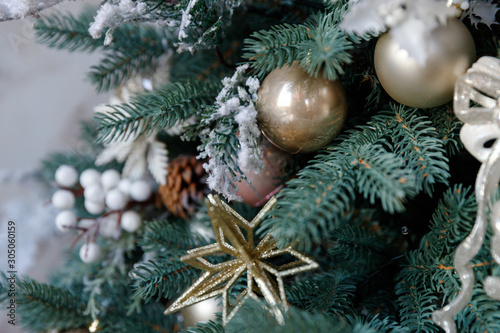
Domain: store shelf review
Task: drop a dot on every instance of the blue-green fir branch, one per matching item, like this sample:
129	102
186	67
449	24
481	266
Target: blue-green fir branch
381	160
255	316
162	278
416	307
357	247
168	238
454	216
67	32
44	307
329	293
318	45
326	51
155	111
418	143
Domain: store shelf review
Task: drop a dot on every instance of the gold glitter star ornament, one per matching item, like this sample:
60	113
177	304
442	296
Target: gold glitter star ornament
235	237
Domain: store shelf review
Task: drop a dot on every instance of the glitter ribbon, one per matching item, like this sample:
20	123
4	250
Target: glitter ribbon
477	104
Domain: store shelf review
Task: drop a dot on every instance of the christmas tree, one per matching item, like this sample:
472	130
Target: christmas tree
328	127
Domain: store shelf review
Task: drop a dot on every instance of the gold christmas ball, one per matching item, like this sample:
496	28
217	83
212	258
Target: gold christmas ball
451	53
299	113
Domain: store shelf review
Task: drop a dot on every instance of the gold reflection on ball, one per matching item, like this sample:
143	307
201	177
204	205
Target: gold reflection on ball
451	53
298	113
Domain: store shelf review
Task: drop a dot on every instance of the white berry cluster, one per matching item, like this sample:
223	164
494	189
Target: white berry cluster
106	195
461	4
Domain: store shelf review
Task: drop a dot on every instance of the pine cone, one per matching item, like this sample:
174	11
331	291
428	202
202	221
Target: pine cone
184	186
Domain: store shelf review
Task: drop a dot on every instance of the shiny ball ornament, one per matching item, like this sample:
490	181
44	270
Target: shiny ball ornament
264	183
451	52
203	311
66	176
131	221
66	220
89	252
90	177
299	113
140	190
63	199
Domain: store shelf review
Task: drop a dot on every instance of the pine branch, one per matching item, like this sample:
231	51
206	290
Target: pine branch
416	307
417	142
327	49
452	219
162	278
44	306
254	317
448	129
313	204
67	32
152	112
208	326
329	293
390	159
170	239
134	51
481	314
356	247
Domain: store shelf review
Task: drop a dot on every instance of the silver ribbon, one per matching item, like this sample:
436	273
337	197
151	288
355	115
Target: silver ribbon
477	104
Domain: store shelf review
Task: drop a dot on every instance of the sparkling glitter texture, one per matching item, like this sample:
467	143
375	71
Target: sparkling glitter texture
230	230
480	85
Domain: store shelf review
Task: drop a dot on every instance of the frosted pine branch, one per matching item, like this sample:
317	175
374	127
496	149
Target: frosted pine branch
18	9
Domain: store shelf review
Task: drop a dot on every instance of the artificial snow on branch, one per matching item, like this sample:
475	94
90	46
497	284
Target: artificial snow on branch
229	134
114	13
18	9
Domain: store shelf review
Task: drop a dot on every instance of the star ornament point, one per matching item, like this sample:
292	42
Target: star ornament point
235	237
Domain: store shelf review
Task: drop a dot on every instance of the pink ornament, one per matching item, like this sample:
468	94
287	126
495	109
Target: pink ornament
264	184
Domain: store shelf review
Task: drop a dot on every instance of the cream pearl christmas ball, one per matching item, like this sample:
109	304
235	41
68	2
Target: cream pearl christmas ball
66	176
65	220
90	252
90	177
110	179
93	207
451	51
116	199
131	221
140	190
63	199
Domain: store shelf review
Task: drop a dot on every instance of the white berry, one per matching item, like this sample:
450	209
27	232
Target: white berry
140	190
464	5
124	185
90	177
131	221
63	199
94	208
108	225
94	193
66	176
90	252
110	179
65	220
116	199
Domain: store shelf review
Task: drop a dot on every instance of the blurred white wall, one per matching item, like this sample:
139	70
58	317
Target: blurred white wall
43	97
